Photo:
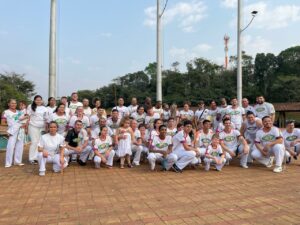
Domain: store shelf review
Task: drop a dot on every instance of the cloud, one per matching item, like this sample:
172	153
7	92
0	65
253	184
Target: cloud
229	3
270	17
186	14
105	35
257	44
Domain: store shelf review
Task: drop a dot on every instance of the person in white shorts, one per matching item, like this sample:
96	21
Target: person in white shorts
233	144
214	154
203	137
77	143
291	137
249	129
182	147
269	142
103	149
237	113
263	108
161	150
51	150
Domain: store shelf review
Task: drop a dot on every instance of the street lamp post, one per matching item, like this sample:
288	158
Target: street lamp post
239	49
52	51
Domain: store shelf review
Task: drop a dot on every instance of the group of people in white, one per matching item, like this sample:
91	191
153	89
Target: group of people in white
213	136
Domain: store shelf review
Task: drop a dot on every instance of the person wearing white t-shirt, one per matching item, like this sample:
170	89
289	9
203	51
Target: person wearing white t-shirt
14	150
86	107
291	137
61	118
182	147
133	107
97	106
161	150
212	115
123	110
233	144
201	114
221	126
79	115
64	100
37	124
166	114
139	115
150	118
247	107
144	139
171	127
136	146
222	110
263	108
113	122
51	106
74	103
237	113
51	150
214	154
158	108
249	129
103	149
269	142
203	137
186	113
96	121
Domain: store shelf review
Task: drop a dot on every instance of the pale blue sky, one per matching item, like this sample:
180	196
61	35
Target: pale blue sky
100	40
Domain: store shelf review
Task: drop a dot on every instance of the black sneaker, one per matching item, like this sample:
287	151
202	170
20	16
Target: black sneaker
288	160
295	157
35	162
176	169
81	163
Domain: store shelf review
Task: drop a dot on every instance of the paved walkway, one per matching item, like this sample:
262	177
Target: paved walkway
83	195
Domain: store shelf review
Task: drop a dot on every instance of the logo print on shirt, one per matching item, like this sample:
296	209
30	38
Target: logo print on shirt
103	146
229	138
268	137
161	145
260	109
291	138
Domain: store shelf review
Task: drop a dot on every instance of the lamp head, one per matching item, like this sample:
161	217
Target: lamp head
254	13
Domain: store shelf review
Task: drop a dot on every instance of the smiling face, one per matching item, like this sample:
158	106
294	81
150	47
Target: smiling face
12	104
52	128
38	101
267	122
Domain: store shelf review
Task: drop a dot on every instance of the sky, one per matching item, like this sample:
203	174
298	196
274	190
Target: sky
101	40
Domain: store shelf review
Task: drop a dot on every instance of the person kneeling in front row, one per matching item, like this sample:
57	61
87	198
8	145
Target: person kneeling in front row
214	154
51	150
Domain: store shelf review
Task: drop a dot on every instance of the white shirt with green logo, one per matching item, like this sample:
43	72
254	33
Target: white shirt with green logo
161	145
103	146
290	137
230	139
265	138
265	109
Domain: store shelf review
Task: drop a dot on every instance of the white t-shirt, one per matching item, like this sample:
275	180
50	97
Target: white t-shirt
51	143
103	146
139	118
221	127
62	122
159	111
265	109
123	111
12	120
204	139
38	117
250	108
113	125
187	114
201	114
161	145
85	121
73	106
132	109
166	115
215	152
230	139
149	120
50	110
251	128
94	122
223	111
290	137
179	139
152	134
265	138
171	132
87	111
236	116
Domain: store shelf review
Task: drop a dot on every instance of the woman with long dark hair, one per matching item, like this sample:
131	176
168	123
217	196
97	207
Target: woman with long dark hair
37	124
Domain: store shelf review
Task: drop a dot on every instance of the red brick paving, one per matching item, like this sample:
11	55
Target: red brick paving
83	195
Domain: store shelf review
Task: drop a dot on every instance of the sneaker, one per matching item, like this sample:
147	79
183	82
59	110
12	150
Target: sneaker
176	169
42	173
20	164
35	162
7	166
288	160
244	166
277	169
270	163
207	167
80	162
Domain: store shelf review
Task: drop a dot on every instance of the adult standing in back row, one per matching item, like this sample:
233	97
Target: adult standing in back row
263	108
74	103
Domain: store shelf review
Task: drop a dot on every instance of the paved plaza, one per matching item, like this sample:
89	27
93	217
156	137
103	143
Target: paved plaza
84	195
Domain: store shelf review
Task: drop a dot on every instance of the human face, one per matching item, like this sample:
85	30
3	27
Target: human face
234	102
64	101
133	124
158	105
115	114
38	101
251	118
215	141
267	122
133	101
52	102
206	125
213	105
157	124
260	100
163	132
188	128
126	124
22	106
227	124
245	102
121	102
171	123
52	129
97	103
141	110
74	97
290	126
150	112
104	131
223	101
180	128
78	126
201	105
61	109
186	107
12	104
85	102
102	122
79	111
142	129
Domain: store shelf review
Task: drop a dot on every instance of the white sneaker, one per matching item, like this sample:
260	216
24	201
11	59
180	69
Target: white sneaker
7	166
270	163
244	166
277	169
42	173
20	164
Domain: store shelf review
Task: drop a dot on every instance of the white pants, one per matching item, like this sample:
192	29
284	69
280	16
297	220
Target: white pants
184	157
136	150
35	135
82	155
209	162
243	156
14	146
202	151
170	160
50	159
295	149
277	151
109	158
